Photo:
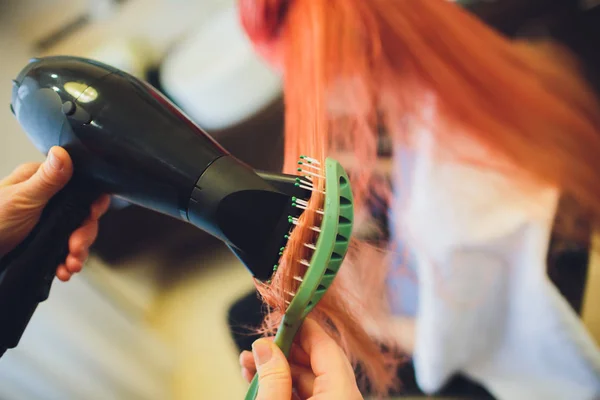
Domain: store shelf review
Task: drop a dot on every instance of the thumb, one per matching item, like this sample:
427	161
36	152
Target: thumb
50	177
274	376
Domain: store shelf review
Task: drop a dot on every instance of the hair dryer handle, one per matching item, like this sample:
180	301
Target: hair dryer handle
27	272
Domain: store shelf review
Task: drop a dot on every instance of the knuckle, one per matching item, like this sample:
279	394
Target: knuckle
17	201
47	179
278	374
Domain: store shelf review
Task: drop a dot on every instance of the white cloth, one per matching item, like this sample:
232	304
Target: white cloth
486	307
216	76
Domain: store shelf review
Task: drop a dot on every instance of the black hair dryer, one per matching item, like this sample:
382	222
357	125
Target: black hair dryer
126	139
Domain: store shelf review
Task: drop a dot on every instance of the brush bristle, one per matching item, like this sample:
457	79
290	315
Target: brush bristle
304	231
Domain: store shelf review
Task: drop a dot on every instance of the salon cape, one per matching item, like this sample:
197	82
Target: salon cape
486	307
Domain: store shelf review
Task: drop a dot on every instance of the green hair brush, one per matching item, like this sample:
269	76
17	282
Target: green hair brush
333	238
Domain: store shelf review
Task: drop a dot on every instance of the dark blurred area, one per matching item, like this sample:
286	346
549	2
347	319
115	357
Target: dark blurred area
162	308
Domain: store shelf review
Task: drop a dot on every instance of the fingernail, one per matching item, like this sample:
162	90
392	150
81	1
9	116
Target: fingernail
54	161
262	352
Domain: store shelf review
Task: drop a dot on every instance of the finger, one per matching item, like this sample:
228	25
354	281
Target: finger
100	207
327	360
274	376
299	356
83	237
20	174
248	375
303	380
302	377
63	274
247	361
74	264
49	178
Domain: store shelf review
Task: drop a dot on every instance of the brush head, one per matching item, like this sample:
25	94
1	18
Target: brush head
324	231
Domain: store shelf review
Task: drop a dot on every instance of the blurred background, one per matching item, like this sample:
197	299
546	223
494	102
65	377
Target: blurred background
147	318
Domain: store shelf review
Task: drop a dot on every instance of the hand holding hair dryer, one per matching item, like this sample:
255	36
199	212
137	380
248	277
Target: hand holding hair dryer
128	140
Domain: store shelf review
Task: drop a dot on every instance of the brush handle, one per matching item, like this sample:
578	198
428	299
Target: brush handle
253	389
27	272
283	339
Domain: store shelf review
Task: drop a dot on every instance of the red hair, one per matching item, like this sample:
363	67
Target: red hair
351	65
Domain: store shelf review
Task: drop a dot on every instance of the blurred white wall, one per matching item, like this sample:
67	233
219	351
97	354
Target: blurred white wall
14	53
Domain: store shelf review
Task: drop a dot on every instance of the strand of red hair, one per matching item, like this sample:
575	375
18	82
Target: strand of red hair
349	65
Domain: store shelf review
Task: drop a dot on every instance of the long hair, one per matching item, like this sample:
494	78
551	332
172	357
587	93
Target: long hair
352	66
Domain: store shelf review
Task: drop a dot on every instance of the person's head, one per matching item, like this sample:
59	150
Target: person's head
263	23
352	67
